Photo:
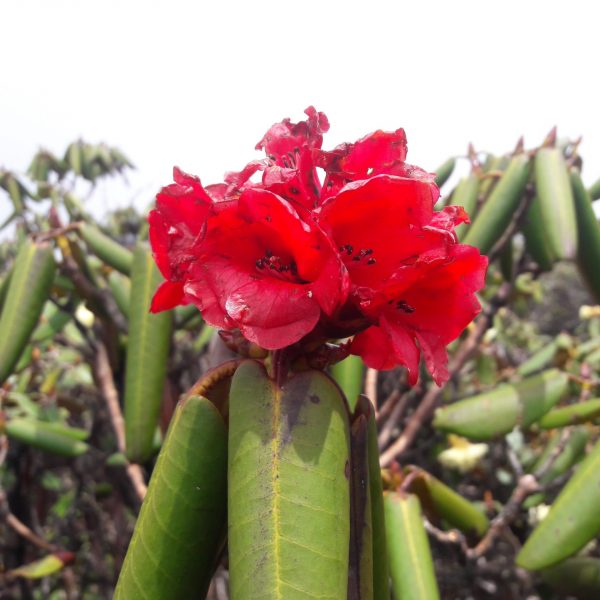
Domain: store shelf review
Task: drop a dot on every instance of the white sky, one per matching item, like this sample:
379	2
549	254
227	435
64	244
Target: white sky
197	83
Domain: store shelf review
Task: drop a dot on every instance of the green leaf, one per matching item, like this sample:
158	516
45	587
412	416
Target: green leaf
50	437
381	575
147	355
105	248
411	564
448	505
573	451
120	286
182	523
500	410
588	252
30	285
536	241
582	412
4	285
443	172
288	487
594	190
498	210
349	375
557	207
52	321
43	567
577	577
360	580
466	195
572	522
540	359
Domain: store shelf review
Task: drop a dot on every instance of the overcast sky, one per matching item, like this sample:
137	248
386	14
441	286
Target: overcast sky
197	83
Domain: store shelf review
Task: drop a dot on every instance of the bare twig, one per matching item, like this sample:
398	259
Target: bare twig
393	420
104	377
464	353
387	405
21	528
453	536
554	454
371	387
527	485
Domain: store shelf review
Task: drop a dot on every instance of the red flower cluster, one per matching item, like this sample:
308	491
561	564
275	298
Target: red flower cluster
288	258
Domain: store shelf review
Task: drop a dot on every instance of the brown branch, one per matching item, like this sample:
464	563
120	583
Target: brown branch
453	536
104	377
371	387
20	527
429	401
388	427
527	485
387	405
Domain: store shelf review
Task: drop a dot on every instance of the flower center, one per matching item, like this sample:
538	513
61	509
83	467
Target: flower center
278	267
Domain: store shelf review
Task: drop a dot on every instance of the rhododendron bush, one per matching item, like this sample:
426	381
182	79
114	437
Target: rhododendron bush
320	378
324	245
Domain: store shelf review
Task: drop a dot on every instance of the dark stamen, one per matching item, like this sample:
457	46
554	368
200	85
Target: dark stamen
404	306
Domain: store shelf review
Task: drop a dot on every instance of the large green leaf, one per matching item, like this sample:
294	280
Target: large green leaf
443	172
557	207
498	411
181	526
349	375
381	575
107	249
30	285
360	582
498	210
572	522
411	564
536	241
588	252
289	504
466	195
147	354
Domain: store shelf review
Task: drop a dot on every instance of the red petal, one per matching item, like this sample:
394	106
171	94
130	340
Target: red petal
386	347
177	224
273	314
167	296
285	138
436	356
384	214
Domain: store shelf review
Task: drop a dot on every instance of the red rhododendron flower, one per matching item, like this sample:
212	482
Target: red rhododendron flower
176	227
285	258
266	271
410	279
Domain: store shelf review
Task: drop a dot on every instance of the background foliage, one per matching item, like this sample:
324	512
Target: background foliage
90	381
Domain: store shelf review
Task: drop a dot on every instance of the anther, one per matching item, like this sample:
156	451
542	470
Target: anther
404	306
